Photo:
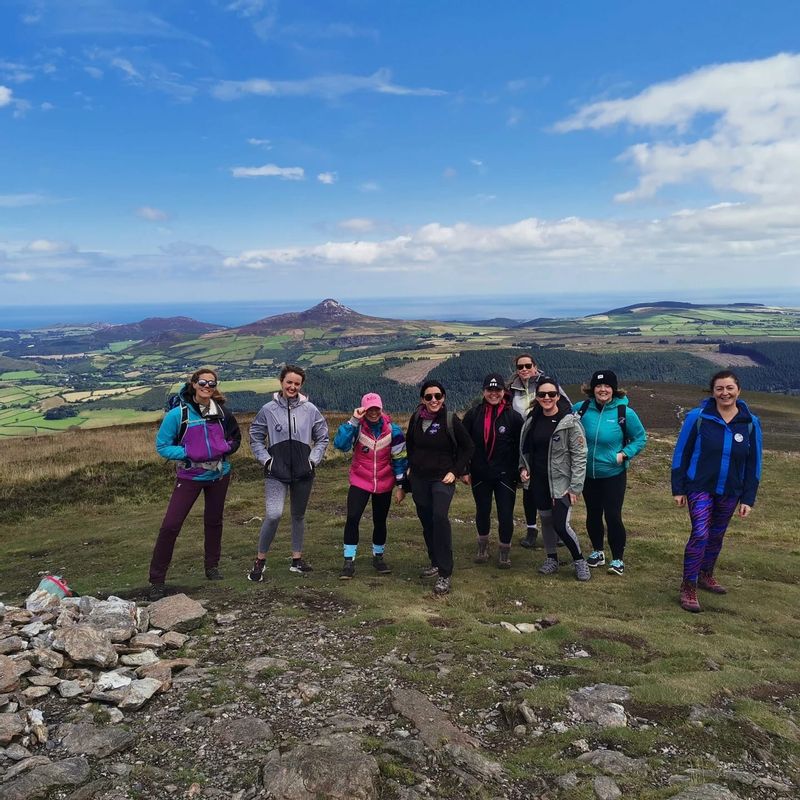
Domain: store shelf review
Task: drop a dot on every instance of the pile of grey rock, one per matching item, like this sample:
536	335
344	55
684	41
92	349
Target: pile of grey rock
80	650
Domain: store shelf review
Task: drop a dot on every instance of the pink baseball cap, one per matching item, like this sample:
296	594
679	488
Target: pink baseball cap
371	400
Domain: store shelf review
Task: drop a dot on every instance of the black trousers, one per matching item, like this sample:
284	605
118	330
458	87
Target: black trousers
357	500
604	498
432	500
529	507
504	497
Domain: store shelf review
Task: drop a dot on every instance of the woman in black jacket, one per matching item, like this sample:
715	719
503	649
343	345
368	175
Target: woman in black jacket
439	450
495	428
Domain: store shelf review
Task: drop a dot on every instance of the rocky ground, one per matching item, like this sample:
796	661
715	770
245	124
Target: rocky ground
266	696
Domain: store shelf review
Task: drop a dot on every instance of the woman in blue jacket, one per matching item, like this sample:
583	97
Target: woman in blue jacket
614	435
716	465
198	433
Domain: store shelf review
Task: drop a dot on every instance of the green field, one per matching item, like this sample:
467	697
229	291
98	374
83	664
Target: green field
717	688
19	375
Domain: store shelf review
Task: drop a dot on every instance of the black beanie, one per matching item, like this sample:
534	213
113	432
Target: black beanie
605	376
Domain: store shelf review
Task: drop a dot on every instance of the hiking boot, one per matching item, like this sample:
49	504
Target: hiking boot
549	566
616	567
529	540
688	597
504	558
708	582
348	569
256	575
214	574
300	567
429	572
596	559
380	565
442	585
582	571
482	554
157	592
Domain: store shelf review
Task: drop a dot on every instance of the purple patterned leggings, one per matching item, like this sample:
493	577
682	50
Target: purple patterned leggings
710	515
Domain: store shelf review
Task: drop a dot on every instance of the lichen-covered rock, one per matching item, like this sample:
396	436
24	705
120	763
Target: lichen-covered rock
40	780
85	644
178	612
93	740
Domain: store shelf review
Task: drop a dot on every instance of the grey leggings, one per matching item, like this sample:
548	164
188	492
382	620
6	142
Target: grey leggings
275	497
553	529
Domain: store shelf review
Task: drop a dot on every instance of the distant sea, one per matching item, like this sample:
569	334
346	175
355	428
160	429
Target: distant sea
233	313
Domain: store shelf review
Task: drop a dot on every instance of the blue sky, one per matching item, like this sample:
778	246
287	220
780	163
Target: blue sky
237	149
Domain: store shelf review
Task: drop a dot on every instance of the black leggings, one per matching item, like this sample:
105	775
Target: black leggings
604	498
357	500
432	500
529	507
504	497
555	520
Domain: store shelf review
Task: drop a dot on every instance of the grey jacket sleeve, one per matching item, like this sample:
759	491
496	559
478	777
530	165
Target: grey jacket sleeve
259	437
320	438
577	451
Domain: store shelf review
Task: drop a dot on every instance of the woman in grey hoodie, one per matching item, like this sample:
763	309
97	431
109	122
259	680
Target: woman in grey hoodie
288	437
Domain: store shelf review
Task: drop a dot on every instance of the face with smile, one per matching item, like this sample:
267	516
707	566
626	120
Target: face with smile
547	398
290	385
603	393
433	399
726	393
526	369
493	396
203	393
373	414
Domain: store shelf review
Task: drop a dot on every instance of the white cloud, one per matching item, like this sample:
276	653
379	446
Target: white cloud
6	96
152	214
47	247
476	162
15	73
125	66
20	200
265	143
17	277
328	177
369	186
329	87
514	117
270	171
357	225
741	238
752	145
95	72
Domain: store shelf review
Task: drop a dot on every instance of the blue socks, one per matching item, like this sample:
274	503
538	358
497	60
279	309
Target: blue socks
350	550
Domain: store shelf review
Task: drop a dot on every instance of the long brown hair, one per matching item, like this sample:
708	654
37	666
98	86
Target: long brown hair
217	397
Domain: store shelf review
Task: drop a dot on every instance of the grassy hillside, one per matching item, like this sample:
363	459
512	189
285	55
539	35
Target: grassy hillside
87	504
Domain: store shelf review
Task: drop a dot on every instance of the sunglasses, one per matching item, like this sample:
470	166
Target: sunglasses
525	366
432	396
203	382
547	394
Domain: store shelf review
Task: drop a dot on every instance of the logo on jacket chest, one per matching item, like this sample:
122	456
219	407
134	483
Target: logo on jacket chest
434	428
501	429
737	437
278	427
364	449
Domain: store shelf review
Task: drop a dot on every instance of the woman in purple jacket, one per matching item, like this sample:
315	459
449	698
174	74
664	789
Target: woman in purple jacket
199	433
378	466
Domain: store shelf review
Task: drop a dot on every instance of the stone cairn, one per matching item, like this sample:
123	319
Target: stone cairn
84	650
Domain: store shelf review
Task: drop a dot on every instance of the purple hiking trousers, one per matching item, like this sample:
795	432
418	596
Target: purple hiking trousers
710	515
183	498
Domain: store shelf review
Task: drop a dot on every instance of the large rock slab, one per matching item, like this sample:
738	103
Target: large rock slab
41	779
116	617
85	644
601	704
178	612
93	740
244	730
707	791
329	768
613	762
11	725
9	674
137	693
434	726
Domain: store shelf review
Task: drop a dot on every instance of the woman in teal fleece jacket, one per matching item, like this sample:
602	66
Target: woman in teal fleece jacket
614	435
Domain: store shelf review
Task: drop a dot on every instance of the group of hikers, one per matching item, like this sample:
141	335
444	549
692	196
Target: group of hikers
524	432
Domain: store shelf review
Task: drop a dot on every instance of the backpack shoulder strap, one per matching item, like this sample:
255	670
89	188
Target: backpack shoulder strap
450	432
184	422
622	411
584	406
